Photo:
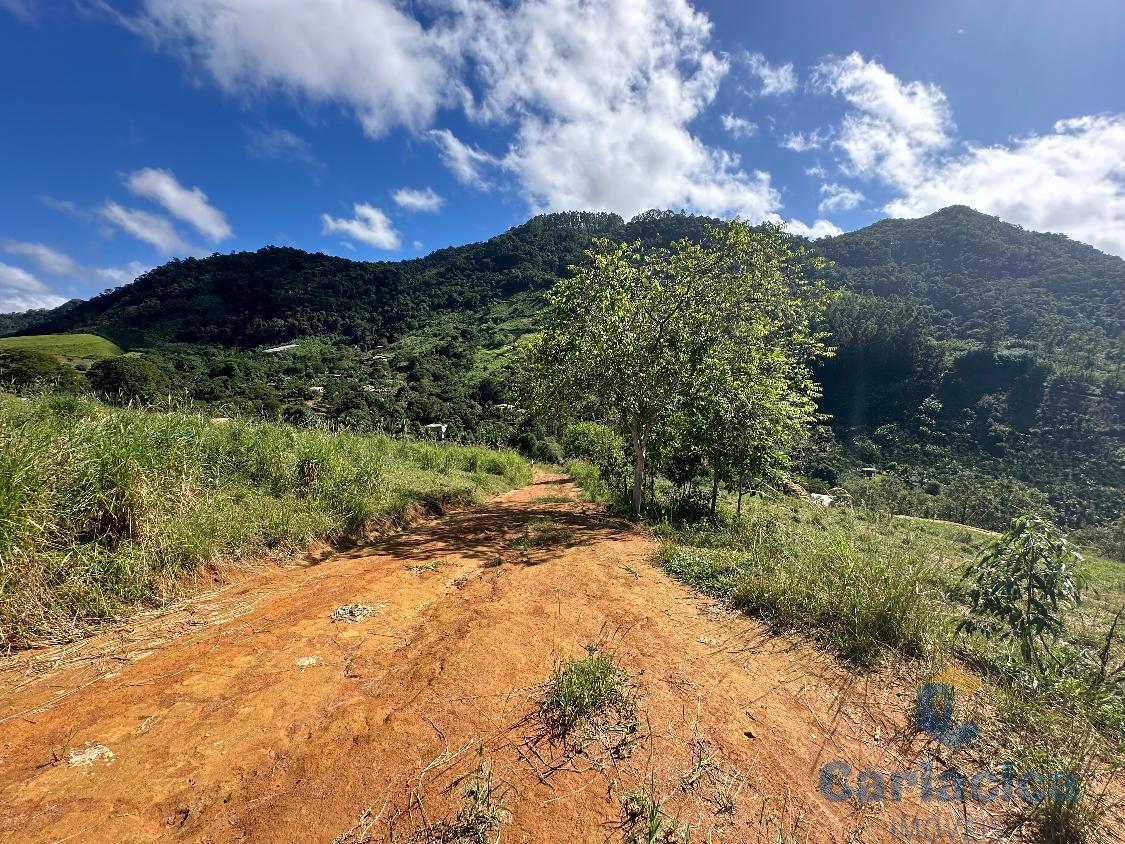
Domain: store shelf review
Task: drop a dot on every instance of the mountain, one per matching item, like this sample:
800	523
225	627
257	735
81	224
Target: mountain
276	294
981	276
966	347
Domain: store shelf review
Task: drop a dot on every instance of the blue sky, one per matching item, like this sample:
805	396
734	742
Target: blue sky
138	130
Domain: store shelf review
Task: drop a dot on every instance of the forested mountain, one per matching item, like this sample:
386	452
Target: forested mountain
276	294
986	280
966	347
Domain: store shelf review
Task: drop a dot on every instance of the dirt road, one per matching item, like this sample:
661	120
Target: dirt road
251	715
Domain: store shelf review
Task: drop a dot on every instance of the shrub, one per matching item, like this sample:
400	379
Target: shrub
127	378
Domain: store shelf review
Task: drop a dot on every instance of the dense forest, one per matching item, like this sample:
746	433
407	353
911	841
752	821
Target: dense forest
970	354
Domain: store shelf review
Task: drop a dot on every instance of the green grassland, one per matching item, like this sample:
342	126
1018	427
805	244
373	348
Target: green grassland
103	510
78	350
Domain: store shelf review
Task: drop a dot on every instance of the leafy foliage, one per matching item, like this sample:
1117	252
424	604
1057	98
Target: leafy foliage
1020	586
709	343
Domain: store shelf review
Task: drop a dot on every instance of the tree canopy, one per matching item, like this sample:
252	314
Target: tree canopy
708	342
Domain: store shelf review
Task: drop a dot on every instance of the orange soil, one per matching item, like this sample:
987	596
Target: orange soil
249	715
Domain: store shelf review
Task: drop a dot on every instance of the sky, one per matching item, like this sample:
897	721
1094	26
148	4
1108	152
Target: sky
135	131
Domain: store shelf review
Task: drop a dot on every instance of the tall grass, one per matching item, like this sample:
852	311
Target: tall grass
102	508
852	588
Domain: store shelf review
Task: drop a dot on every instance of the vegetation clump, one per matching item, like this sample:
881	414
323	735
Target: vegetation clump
588	697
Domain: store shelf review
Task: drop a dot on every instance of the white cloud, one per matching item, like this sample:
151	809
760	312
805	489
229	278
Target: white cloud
1071	180
21	291
805	141
894	128
370	226
819	229
412	199
187	204
122	275
143	225
776	79
599	94
739	127
48	260
817	172
369	54
464	161
22	9
838	197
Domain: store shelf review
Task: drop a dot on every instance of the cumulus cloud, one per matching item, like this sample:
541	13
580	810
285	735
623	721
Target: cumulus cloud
775	79
187	204
1071	180
599	94
143	225
465	162
819	229
413	199
894	128
837	197
369	54
46	259
369	225
739	127
22	291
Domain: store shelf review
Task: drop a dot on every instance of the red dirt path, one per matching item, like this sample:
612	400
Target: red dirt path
248	715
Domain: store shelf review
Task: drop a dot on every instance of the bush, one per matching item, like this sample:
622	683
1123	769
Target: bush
103	508
601	447
24	368
127	378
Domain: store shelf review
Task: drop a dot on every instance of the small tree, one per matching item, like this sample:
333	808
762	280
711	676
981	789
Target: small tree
643	333
127	378
1021	584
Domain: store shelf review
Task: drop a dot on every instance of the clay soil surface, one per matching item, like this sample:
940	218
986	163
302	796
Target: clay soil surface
250	715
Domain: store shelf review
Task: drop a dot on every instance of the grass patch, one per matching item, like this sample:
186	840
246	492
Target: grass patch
76	349
544	533
857	591
589	698
104	509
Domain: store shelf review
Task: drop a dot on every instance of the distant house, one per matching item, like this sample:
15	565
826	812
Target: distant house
317	390
503	408
868	471
287	347
437	429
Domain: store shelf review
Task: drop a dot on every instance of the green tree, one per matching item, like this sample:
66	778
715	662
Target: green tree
127	378
22	368
644	333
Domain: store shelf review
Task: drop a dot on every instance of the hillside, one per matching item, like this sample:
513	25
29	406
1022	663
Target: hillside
967	348
986	279
278	293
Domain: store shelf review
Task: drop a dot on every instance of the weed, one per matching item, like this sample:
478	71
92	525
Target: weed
590	697
482	814
644	820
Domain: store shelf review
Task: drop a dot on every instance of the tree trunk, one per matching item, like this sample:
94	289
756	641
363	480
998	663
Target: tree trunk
640	442
741	484
714	491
